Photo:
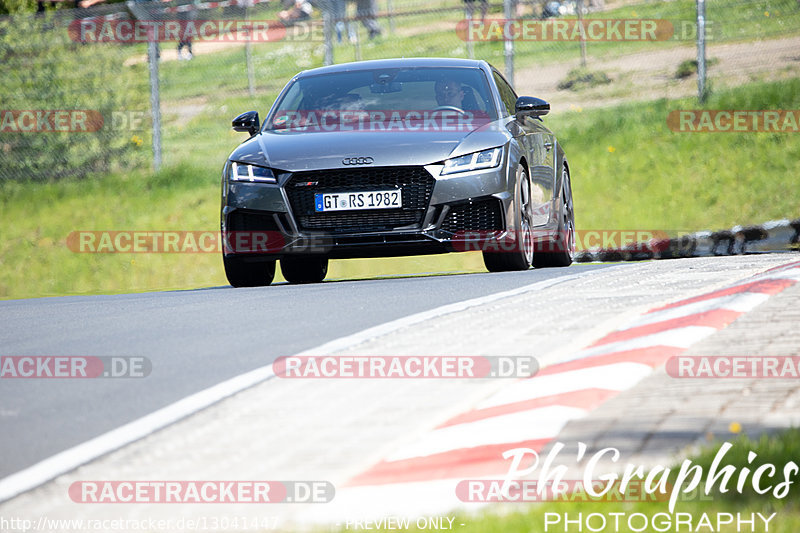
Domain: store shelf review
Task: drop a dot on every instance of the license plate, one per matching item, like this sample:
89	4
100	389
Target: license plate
352	201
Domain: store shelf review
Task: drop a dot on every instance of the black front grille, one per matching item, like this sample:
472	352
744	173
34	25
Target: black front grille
355	221
415	182
481	215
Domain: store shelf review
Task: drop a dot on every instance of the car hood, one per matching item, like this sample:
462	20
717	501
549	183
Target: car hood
296	151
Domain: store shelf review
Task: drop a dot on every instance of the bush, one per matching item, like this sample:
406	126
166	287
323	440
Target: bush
46	70
582	78
689	67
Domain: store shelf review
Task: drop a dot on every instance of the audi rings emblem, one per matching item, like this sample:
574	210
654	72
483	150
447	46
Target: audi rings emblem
357	161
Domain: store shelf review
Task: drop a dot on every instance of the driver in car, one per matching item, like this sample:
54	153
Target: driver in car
449	93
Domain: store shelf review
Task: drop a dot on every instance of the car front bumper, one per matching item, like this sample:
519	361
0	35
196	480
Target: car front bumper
443	218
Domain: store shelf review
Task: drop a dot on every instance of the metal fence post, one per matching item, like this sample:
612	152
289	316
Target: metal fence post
155	101
140	13
702	93
390	10
579	9
470	46
357	44
248	51
327	31
508	44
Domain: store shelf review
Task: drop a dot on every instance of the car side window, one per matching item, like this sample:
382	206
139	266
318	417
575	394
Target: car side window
507	94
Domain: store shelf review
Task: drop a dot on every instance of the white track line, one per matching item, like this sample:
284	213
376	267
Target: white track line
72	458
740	302
677	337
615	376
533	424
793	275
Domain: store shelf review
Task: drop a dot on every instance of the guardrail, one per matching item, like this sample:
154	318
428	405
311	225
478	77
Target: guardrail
775	235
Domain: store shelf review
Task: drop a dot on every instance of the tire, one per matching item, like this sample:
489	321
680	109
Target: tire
560	252
521	256
241	274
304	269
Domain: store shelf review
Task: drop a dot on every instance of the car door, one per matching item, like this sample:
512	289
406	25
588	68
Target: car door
539	146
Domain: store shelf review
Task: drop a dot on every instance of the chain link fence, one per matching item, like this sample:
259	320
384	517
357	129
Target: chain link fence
62	101
110	87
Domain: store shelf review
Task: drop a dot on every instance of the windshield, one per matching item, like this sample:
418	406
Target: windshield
412	90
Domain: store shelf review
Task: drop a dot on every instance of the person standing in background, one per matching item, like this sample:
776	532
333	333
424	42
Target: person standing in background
295	11
339	8
187	13
471	8
366	12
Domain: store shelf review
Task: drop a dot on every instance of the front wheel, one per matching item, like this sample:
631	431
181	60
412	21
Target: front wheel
241	274
304	269
520	255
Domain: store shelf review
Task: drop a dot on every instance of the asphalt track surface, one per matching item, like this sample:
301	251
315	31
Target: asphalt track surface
194	339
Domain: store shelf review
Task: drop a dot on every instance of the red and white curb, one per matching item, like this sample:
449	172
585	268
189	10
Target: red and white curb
422	476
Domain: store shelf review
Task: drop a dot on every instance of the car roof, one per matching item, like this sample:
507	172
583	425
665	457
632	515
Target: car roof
406	62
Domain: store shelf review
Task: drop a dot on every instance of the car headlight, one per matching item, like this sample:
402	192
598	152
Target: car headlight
475	161
243	172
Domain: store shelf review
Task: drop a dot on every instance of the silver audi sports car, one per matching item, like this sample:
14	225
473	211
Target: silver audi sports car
395	157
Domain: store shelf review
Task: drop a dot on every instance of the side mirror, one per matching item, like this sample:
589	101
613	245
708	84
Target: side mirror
532	106
247	122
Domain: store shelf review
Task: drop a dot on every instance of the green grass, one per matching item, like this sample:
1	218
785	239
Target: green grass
629	172
34	254
778	449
